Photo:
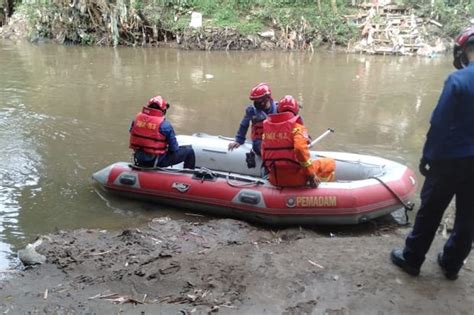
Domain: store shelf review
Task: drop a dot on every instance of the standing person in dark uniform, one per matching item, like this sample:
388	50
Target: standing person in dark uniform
153	140
448	166
256	113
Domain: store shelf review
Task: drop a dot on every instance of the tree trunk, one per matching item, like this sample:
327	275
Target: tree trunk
334	6
9	7
319	5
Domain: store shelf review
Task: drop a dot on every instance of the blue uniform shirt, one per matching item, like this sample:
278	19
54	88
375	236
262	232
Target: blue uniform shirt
251	113
451	134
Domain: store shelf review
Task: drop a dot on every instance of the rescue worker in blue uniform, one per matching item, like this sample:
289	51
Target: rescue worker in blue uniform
255	113
448	166
153	139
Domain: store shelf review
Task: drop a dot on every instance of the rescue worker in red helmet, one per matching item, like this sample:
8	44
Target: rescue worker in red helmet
447	163
255	113
285	151
153	140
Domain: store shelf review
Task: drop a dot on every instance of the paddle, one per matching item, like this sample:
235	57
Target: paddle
320	137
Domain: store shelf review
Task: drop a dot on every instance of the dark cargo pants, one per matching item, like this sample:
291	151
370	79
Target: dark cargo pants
446	179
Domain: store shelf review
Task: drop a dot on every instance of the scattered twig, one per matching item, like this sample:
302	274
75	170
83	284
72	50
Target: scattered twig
102	296
436	23
227	306
45	295
101	253
315	264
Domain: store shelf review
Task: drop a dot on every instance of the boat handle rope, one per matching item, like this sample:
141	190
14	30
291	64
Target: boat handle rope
252	183
205	171
408	206
202	171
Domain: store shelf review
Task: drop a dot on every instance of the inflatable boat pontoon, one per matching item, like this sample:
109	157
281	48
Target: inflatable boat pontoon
366	187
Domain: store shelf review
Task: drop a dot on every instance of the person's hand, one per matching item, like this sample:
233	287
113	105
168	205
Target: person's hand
424	167
233	145
314	181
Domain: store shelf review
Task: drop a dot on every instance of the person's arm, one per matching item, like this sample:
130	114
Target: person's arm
167	130
244	126
440	121
242	132
303	156
302	152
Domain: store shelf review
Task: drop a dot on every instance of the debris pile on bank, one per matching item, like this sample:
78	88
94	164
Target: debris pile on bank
393	29
217	39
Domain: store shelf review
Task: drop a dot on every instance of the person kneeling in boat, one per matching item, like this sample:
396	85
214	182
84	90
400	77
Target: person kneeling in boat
153	139
255	113
285	151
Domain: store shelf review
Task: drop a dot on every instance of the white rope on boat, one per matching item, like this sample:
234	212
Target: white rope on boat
241	183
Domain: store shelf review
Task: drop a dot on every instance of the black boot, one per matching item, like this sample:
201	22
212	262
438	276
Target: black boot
451	275
397	258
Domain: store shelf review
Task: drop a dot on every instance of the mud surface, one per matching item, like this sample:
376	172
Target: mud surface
230	267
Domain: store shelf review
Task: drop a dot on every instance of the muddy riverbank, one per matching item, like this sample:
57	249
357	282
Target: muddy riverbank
231	267
388	28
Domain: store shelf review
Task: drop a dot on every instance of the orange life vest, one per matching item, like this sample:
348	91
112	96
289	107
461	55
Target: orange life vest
145	133
278	145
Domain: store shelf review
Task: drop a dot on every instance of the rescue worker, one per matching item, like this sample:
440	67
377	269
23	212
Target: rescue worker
448	166
285	151
262	106
153	140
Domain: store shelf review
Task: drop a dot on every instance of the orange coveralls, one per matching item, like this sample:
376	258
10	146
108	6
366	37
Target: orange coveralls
324	168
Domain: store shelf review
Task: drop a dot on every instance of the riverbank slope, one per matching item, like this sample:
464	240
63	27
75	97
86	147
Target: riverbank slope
382	27
231	267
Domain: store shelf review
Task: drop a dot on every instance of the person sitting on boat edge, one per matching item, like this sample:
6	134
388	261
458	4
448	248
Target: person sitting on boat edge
255	113
285	151
153	139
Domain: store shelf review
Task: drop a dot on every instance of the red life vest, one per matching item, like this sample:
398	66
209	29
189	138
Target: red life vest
257	131
277	145
145	133
257	121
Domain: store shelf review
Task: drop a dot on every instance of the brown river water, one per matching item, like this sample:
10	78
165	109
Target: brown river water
65	113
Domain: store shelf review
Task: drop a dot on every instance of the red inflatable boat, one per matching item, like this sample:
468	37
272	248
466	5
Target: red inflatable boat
366	187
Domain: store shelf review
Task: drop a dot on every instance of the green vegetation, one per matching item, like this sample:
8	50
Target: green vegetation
135	22
453	14
253	16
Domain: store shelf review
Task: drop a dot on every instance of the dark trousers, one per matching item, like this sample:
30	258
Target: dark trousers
446	179
256	147
183	154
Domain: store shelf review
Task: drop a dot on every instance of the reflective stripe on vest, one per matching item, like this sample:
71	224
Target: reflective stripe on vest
145	133
278	145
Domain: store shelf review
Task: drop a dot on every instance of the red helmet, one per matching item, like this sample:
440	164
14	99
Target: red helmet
260	91
158	102
288	104
466	37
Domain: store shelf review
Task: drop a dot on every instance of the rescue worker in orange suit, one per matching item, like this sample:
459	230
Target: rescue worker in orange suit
285	151
153	139
256	113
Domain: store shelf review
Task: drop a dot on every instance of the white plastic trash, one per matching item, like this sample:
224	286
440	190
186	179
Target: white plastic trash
196	19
